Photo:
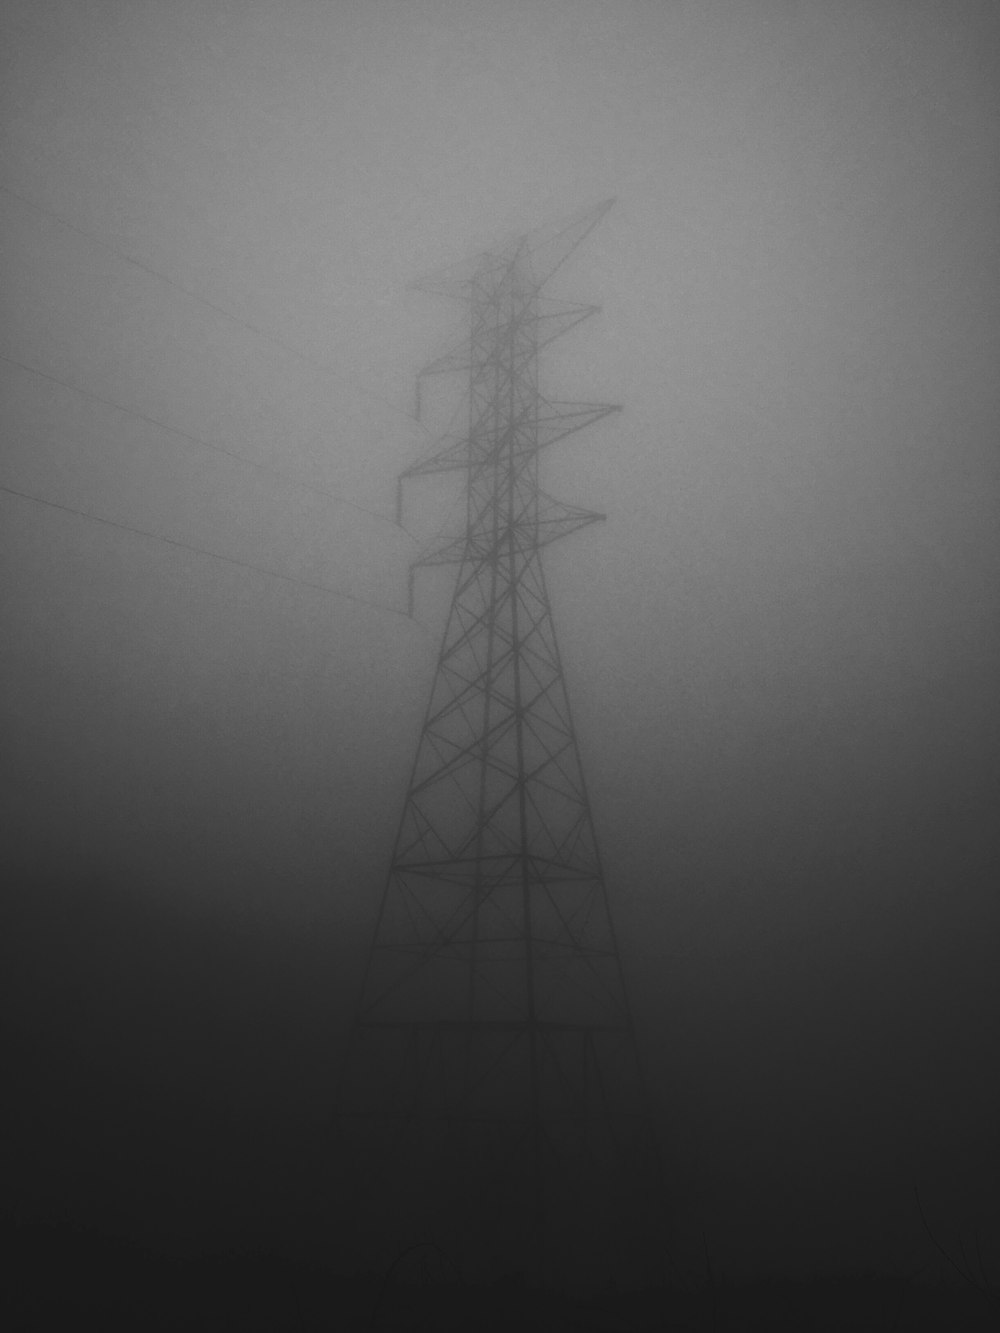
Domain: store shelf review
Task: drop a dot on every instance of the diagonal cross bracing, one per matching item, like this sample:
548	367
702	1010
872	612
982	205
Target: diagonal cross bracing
495	915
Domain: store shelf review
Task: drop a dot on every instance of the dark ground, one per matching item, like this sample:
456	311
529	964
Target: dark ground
168	1078
61	1279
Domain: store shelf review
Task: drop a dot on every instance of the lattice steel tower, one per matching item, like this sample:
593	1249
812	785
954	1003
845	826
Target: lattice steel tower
493	1072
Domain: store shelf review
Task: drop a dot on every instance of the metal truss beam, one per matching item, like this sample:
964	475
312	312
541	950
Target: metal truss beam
493	990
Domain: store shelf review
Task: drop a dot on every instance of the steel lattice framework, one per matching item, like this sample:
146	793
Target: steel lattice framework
493	1048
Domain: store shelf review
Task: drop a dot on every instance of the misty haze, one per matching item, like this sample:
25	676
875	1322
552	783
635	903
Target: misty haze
233	235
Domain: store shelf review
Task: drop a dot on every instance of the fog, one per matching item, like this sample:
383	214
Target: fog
781	646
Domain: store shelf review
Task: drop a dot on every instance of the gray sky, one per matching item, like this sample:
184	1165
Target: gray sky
781	647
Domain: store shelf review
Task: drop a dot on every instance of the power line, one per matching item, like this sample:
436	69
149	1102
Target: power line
203	300
201	550
196	439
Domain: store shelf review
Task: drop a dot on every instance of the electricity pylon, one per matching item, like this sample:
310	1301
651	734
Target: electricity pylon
493	1066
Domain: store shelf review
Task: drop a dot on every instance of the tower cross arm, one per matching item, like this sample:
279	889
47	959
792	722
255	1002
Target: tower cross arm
447	552
556	519
456	359
545	249
452	455
556	420
554	318
550	247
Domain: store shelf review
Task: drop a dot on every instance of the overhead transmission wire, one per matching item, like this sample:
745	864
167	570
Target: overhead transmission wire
197	439
203	550
297	352
227	314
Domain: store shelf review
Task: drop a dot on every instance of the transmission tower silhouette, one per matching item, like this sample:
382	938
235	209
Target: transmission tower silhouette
493	1082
